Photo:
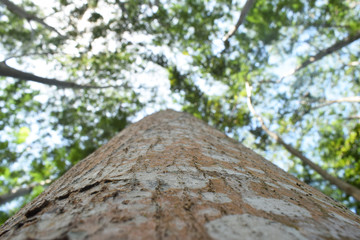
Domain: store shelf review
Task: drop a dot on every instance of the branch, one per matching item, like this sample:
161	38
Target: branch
244	12
28	55
340	100
344	186
7	71
19	192
353	4
354	63
323	53
15	9
353	117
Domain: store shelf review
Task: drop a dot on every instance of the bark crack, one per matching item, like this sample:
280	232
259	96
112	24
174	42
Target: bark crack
89	186
36	209
158	212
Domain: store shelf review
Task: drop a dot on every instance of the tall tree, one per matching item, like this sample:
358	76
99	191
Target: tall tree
116	43
172	176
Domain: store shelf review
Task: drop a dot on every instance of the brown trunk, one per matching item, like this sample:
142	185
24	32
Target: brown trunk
170	176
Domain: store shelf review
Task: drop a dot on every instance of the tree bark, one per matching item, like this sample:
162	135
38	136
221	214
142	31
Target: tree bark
170	176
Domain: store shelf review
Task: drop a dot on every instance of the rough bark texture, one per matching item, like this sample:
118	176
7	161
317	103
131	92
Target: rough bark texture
170	176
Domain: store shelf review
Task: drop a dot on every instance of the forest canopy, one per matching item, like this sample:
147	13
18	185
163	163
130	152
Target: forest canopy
282	77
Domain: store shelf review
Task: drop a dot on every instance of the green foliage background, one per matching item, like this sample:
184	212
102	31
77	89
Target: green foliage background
108	42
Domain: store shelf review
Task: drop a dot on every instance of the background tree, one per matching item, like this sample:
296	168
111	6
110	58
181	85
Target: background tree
296	55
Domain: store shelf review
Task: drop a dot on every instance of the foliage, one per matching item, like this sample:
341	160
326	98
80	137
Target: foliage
340	151
45	131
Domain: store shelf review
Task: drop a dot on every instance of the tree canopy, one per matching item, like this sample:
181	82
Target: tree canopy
281	76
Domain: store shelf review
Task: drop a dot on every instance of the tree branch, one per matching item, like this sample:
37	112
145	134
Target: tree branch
7	71
243	13
344	186
323	53
354	63
27	55
353	117
19	192
15	9
340	100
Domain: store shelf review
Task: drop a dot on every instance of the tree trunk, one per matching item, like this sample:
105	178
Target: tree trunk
170	176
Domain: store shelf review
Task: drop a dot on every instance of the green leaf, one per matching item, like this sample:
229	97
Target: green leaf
21	135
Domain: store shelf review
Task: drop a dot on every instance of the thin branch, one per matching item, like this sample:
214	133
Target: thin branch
15	194
345	187
28	55
354	117
327	25
7	71
244	12
15	9
19	192
354	63
323	53
340	100
353	4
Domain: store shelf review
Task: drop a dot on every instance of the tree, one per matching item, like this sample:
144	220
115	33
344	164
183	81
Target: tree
87	46
172	176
